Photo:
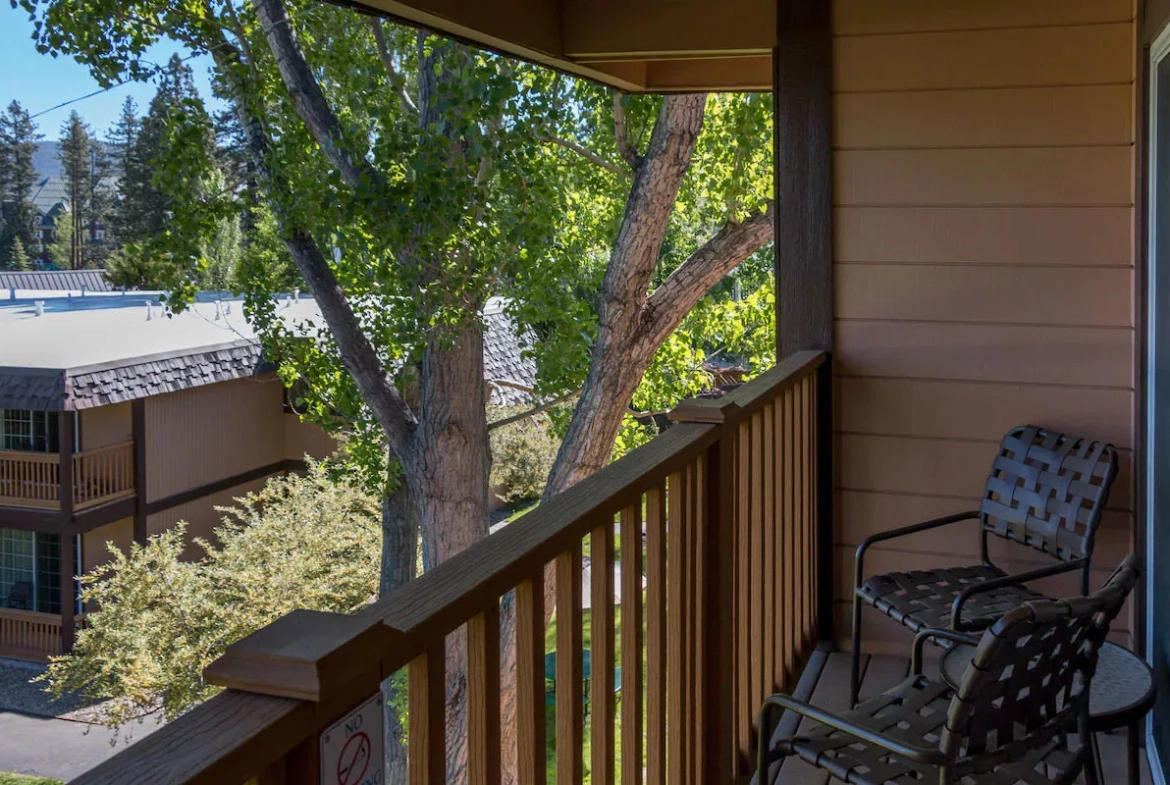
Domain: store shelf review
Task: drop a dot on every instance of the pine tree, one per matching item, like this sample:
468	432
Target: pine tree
131	172
144	208
59	251
17	258
18	143
77	159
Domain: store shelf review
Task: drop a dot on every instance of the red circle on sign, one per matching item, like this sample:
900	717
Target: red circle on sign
355	754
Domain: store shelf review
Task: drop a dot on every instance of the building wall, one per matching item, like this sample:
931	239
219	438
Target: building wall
198	436
105	425
983	276
301	439
93	543
200	515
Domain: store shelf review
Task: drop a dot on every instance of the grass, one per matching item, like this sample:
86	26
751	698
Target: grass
9	778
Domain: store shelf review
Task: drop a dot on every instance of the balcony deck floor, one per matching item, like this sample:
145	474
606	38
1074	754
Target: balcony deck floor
830	690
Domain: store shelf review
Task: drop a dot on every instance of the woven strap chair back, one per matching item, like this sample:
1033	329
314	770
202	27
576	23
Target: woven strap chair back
1047	490
1029	677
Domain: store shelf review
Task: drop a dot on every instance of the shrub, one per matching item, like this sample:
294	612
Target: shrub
522	454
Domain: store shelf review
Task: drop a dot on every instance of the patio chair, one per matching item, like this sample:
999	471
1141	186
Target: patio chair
1021	704
19	596
1046	491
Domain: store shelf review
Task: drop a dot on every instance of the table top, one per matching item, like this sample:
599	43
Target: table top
1122	690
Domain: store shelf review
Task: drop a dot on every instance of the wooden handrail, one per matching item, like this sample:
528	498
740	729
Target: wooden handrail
724	505
27	456
30	479
29	634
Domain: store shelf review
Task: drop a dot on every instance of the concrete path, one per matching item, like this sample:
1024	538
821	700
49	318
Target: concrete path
57	748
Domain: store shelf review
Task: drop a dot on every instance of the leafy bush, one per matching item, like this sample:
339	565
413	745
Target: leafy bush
522	454
300	542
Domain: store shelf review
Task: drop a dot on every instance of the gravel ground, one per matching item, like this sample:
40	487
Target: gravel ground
19	694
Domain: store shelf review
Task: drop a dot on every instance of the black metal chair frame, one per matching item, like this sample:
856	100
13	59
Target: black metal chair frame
1021	533
1025	689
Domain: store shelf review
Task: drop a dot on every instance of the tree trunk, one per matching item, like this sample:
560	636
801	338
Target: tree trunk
399	560
447	472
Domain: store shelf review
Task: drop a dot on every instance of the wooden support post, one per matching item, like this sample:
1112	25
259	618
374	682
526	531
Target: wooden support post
65	437
138	430
802	119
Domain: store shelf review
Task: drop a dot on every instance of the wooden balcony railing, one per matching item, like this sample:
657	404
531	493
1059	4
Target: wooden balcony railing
103	475
33	479
714	536
27	635
30	479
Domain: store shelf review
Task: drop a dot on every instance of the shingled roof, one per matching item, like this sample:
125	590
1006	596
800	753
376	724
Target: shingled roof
56	281
94	351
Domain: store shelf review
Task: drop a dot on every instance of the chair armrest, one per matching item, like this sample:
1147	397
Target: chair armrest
927	755
1008	580
902	532
934	632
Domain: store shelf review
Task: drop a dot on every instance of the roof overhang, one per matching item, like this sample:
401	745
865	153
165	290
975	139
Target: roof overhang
641	46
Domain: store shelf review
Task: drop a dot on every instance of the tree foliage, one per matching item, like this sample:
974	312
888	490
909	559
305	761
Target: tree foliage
18	143
17	258
156	620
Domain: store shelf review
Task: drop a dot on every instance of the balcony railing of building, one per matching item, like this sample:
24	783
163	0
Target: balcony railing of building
28	635
709	553
33	480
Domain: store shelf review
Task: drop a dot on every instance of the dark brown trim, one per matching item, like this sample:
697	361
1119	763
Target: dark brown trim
68	583
802	119
138	431
1141	315
95	517
160	505
49	521
65	442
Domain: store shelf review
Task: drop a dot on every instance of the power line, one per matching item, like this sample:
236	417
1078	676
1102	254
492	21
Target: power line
289	17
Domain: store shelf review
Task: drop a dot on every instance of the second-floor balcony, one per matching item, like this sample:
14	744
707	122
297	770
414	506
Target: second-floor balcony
33	480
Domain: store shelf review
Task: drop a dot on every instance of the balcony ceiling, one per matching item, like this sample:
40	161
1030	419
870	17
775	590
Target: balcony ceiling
659	46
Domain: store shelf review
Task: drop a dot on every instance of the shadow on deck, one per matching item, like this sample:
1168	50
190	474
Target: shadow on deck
825	683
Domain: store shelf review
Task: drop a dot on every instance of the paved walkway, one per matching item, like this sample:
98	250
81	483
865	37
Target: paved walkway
57	748
34	741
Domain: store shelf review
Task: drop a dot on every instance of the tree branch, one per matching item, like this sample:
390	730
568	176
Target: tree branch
387	58
308	98
357	353
622	134
678	294
589	155
544	407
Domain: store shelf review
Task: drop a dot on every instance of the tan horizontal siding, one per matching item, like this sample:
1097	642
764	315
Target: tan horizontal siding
868	17
1021	117
937	467
1089	297
1033	176
861	513
980	411
985	235
984	246
1091	356
1030	57
95	543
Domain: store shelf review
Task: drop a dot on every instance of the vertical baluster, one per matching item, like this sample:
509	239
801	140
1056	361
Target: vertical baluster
757	560
676	685
631	632
808	497
797	584
530	717
426	697
768	483
570	723
743	587
483	697
785	558
656	641
601	651
698	602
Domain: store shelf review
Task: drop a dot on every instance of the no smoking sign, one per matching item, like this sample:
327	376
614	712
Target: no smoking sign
351	748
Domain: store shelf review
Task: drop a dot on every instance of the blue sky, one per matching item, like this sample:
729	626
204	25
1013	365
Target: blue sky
41	81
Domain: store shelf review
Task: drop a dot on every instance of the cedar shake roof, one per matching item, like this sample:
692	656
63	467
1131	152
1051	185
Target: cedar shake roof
94	351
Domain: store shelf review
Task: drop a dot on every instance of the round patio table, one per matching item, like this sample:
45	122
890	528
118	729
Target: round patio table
1120	696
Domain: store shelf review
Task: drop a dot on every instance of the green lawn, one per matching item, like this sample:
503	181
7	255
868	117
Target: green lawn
7	778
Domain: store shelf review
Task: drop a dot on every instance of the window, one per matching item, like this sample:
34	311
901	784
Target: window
30	571
21	429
